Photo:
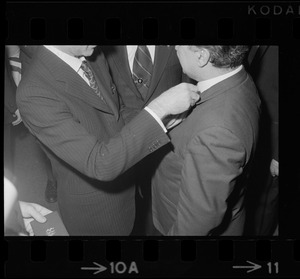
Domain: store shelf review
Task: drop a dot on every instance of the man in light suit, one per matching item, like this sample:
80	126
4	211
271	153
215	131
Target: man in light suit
72	107
199	185
166	73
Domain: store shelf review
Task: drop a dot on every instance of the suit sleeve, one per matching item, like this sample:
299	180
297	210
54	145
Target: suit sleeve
49	119
213	160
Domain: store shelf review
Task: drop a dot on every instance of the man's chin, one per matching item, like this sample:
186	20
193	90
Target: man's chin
89	52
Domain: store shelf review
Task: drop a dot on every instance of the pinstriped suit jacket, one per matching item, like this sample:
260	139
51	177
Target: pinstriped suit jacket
87	143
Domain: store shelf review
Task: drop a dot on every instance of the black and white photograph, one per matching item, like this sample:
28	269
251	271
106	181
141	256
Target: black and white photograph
141	140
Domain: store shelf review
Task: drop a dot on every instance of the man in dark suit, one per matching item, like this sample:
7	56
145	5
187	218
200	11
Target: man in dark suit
199	185
263	197
166	73
72	107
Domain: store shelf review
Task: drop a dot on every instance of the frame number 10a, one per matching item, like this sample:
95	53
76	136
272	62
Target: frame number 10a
115	268
121	267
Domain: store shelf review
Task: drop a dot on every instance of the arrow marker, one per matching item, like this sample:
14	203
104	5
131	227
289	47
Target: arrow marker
251	267
99	268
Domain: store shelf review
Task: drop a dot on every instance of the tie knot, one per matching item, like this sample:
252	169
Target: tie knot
84	66
91	79
143	47
143	53
87	71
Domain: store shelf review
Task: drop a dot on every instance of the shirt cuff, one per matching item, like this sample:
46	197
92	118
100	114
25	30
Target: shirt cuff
156	118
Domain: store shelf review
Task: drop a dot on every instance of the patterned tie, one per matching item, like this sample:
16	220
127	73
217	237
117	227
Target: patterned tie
90	76
142	69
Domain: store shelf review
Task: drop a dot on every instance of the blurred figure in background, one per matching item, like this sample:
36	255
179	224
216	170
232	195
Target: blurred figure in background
263	211
11	115
19	214
19	58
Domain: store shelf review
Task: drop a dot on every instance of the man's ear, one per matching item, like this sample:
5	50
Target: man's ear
203	56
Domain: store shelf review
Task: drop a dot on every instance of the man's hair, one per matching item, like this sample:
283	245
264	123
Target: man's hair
226	56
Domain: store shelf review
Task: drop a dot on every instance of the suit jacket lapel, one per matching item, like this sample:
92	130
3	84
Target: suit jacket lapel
105	83
162	54
73	83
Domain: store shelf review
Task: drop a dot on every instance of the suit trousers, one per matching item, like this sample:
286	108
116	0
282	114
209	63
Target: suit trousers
266	216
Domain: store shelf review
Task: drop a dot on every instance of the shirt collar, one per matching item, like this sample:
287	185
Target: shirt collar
206	84
132	49
72	61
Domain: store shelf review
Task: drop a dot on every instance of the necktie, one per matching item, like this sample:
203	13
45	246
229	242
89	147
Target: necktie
142	69
90	76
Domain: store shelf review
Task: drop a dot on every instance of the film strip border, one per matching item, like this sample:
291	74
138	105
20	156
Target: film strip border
151	258
157	23
152	21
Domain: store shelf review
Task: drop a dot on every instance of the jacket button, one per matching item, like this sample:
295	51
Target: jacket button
113	89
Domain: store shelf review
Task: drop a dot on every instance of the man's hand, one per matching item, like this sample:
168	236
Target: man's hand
19	119
274	168
31	211
175	100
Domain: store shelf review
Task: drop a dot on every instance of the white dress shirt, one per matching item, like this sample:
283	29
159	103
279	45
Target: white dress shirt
206	84
72	61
